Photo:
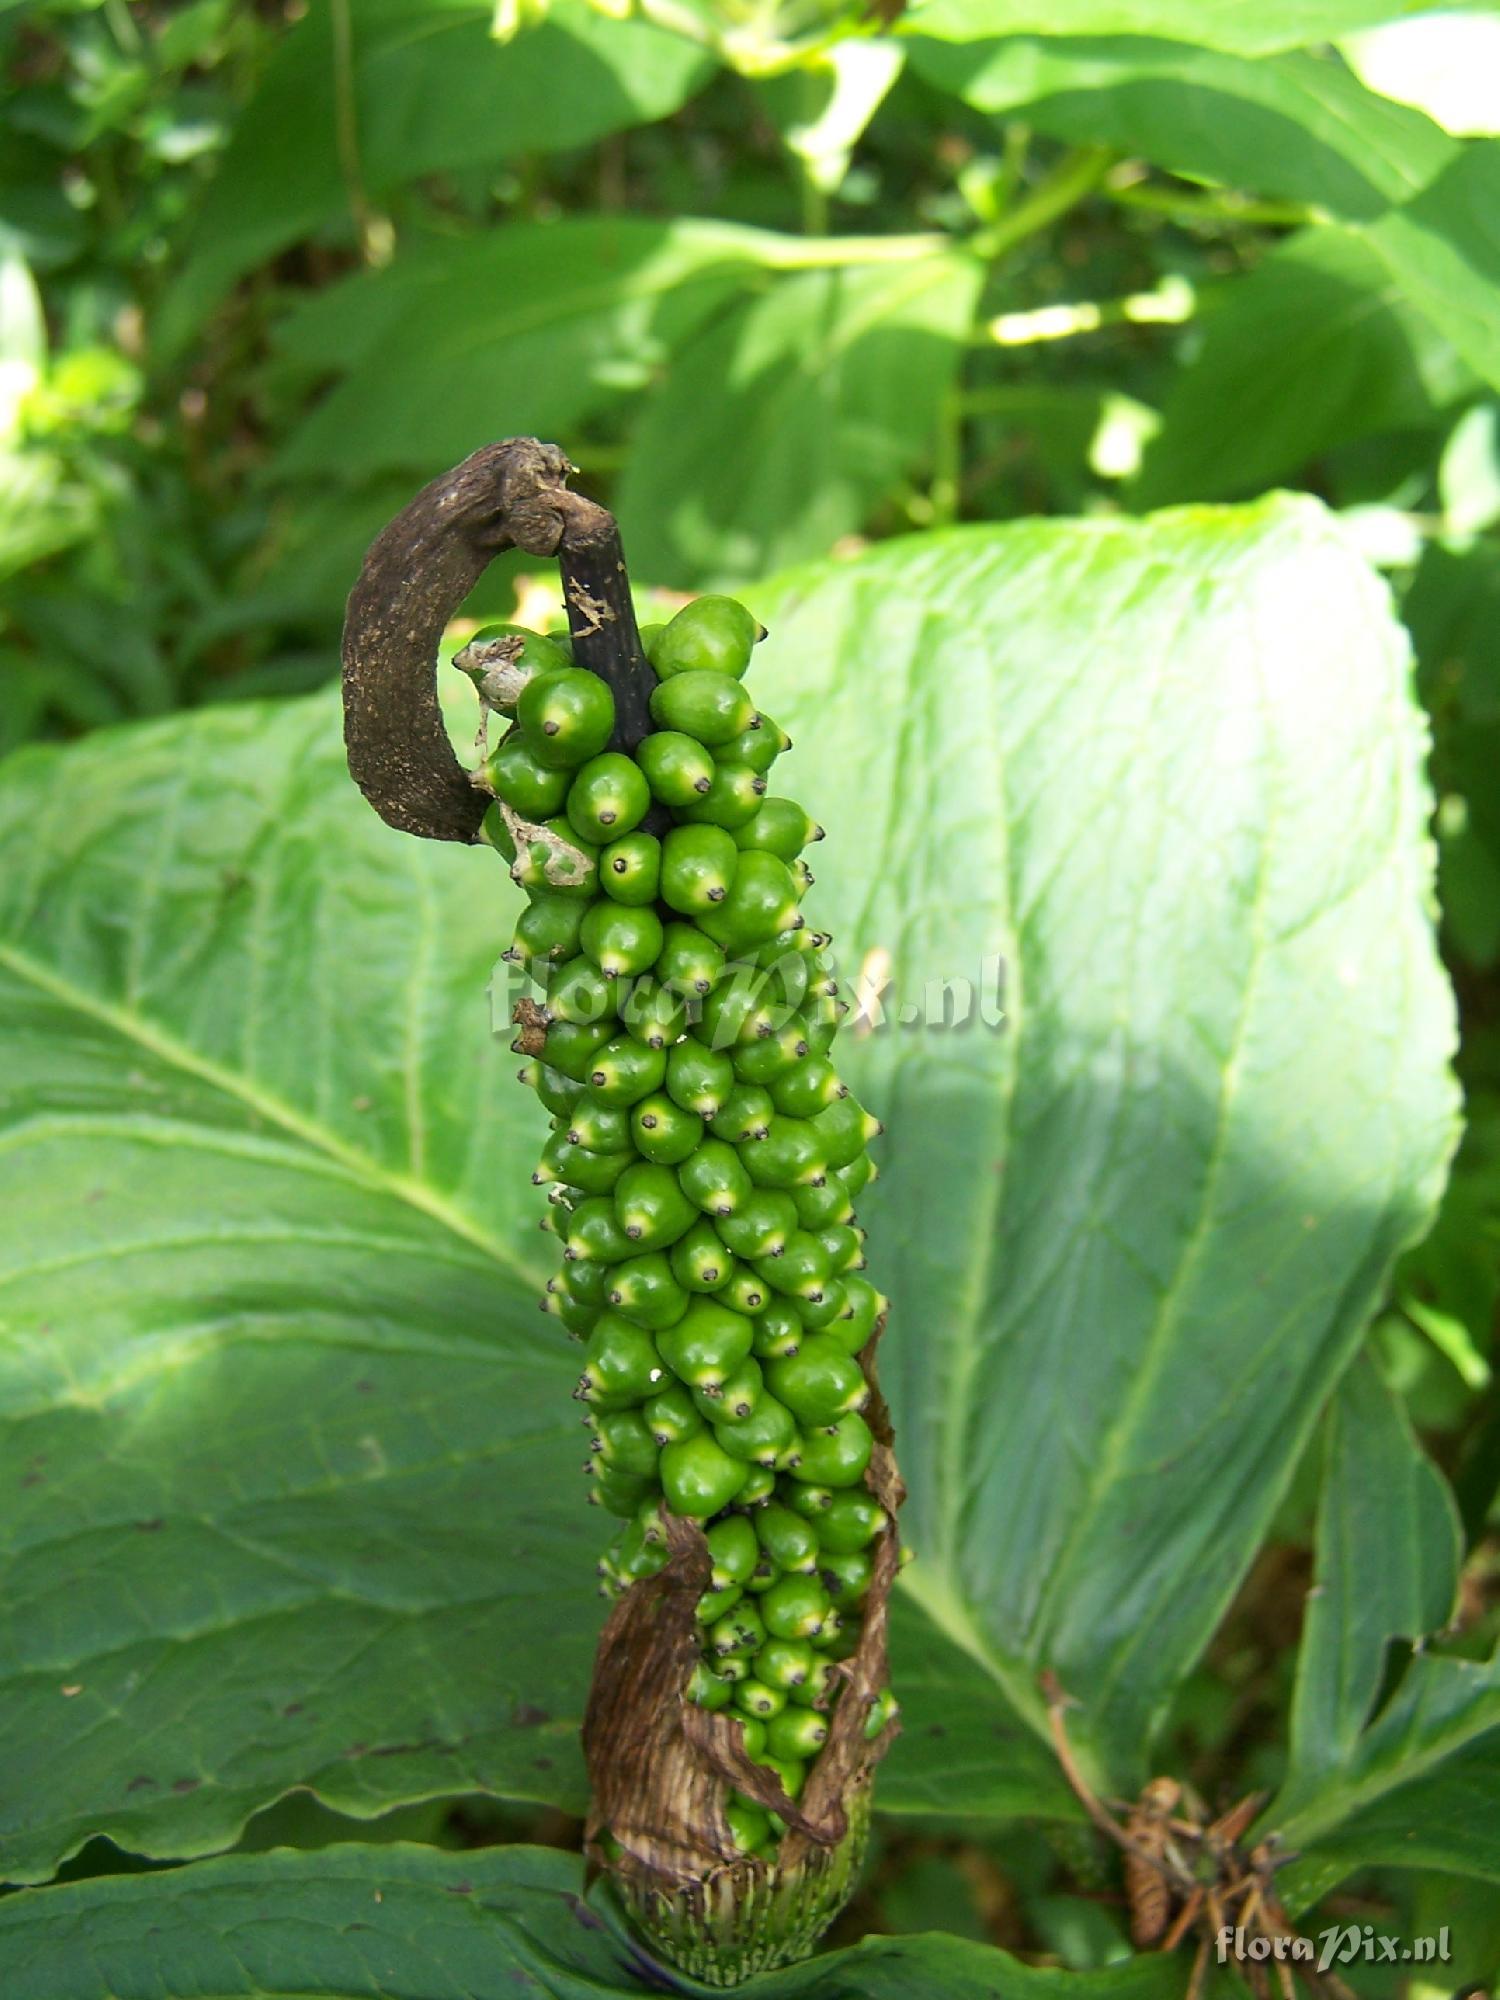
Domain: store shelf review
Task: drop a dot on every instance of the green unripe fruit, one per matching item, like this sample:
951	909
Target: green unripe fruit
752	1735
790	1155
578	1318
707	706
764	1437
566	717
661	1130
858	1175
625	1070
592	1173
608	798
820	1312
645	1291
570	1047
713	1604
708	1689
712	634
883	1711
523	782
670	1416
762	901
836	1454
796	1733
796	1607
714	1178
561	866
736	1013
676	767
649	634
618	1492
845	1247
761	1225
734	1668
846	1577
758	746
844	1128
690	963
819	1686
500	673
778	1331
850	1522
493	832
621	939
594	1233
790	1541
763	1575
749	1825
772	1056
624	1443
700	1263
548	928
781	827
605	1128
743	1290
793	1775
760	1701
740	1630
651	1206
731	801
706	1345
804	1498
758	1487
653	1014
819	1385
698	1078
735	1399
586	1279
580	992
620	1364
806	1090
802	875
732	1548
698	865
801	1269
821	1207
698	1478
784	1663
630	869
863	1306
558	1093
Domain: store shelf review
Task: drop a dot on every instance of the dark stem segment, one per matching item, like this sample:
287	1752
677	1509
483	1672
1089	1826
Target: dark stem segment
417	573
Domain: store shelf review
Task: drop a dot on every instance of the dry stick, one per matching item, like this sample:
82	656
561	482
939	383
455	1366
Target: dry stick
418	572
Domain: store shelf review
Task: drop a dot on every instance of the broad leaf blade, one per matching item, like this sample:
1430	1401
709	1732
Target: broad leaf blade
1443	249
1298	126
1242	26
1388	1550
850	366
410	1923
1169	777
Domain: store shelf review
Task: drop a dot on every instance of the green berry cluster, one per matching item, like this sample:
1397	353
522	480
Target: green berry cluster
704	1159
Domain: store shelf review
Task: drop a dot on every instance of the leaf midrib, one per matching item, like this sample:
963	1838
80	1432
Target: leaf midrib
175	1054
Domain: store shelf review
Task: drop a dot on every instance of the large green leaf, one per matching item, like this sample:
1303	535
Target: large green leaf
1247	27
1388	1550
1168	776
289	1448
1409	1790
410	1923
543	322
827	391
429	89
1443	249
1315	347
1297	126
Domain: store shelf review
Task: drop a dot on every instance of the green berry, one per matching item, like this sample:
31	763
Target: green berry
558	1093
733	1549
653	1211
621	940
818	1688
576	1166
764	1060
749	1825
523	782
690	962
759	1701
564	865
624	1071
791	1772
697	866
653	1014
678	769
844	1127
548	928
620	1364
566	717
672	1415
714	1178
619	1492
744	1290
758	746
645	1291
762	901
764	1437
605	1128
705	1346
700	1263
661	1131
846	1577
784	1663
780	827
761	1225
850	1522
630	869
571	1046
778	1331
819	1384
790	1541
790	1155
707	706
699	1079
801	1270
796	1733
608	798
819	1207
698	1478
745	1114
623	1442
578	991
595	1234
758	1487
708	1689
731	801
795	1607
836	1454
712	634
740	1630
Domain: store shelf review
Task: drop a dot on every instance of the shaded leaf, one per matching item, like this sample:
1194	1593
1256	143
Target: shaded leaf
823	394
1239	25
408	1923
1315	347
1443	249
1298	126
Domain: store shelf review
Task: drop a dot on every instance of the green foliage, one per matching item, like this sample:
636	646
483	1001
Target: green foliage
283	1444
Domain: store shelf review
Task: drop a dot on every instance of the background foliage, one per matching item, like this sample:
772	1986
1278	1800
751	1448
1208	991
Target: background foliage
786	284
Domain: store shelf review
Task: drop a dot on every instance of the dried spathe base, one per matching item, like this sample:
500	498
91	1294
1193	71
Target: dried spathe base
661	1768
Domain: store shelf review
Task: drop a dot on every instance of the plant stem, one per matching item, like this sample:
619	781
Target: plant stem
1076	175
1216	206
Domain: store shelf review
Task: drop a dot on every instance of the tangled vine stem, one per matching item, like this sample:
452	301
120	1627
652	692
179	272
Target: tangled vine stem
419	570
